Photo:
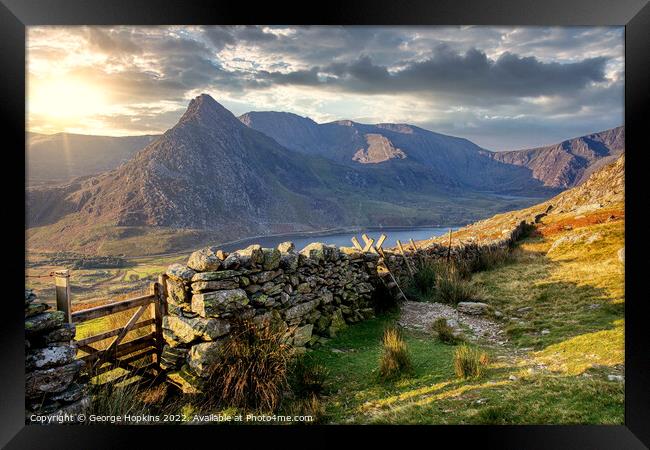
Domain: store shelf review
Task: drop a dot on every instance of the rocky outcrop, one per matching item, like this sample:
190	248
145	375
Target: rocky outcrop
52	384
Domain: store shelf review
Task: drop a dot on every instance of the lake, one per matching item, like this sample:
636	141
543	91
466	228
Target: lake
342	238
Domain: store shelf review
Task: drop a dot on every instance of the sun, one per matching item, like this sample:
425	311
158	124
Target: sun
65	100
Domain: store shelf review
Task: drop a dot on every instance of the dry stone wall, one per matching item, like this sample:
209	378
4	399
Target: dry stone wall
52	384
311	295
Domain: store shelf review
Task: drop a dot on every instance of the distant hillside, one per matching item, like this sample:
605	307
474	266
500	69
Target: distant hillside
604	190
210	174
570	162
401	150
64	156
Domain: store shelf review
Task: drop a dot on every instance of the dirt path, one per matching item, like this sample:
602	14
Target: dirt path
420	315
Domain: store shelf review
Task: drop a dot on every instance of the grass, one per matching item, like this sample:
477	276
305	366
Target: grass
564	313
252	368
444	332
469	362
395	360
438	281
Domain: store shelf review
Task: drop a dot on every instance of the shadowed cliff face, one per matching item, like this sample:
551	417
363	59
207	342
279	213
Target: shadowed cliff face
398	148
571	162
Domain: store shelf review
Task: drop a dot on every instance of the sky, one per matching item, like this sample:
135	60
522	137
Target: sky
504	88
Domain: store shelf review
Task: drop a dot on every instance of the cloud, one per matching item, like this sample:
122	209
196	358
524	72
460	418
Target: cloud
500	86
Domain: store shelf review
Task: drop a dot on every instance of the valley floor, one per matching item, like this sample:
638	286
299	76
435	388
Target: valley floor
562	301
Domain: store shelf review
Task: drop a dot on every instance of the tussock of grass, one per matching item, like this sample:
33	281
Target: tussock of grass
395	359
469	362
444	332
252	369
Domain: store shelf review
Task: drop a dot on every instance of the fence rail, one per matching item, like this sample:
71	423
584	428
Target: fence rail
118	354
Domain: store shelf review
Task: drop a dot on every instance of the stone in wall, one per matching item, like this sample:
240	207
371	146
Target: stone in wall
52	382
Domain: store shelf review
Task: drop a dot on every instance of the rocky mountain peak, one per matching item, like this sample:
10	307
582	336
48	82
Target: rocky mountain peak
206	111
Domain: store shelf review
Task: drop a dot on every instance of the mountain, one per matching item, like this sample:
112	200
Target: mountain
398	148
212	177
570	162
64	156
601	197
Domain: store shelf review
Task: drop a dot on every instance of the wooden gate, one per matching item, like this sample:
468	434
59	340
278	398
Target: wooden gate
120	353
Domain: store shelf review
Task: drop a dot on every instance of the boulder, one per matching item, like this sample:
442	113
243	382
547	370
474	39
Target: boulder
473	308
188	330
302	335
271	258
232	261
213	304
286	247
180	272
204	260
203	357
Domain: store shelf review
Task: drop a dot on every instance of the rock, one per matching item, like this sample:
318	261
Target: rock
213	304
286	247
619	378
512	378
185	381
472	308
74	393
35	308
337	324
172	357
203	357
232	261
498	314
177	292
189	330
64	334
215	276
621	255
263	277
300	310
352	252
44	358
289	261
204	260
302	335
304	288
545	332
271	258
315	250
252	254
203	286
56	379
48	320
180	272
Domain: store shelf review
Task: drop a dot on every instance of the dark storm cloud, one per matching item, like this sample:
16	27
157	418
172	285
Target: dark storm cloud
447	71
503	87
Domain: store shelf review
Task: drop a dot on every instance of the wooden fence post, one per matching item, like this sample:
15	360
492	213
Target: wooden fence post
158	290
63	297
449	248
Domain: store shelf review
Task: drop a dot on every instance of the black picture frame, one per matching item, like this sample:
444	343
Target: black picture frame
15	15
